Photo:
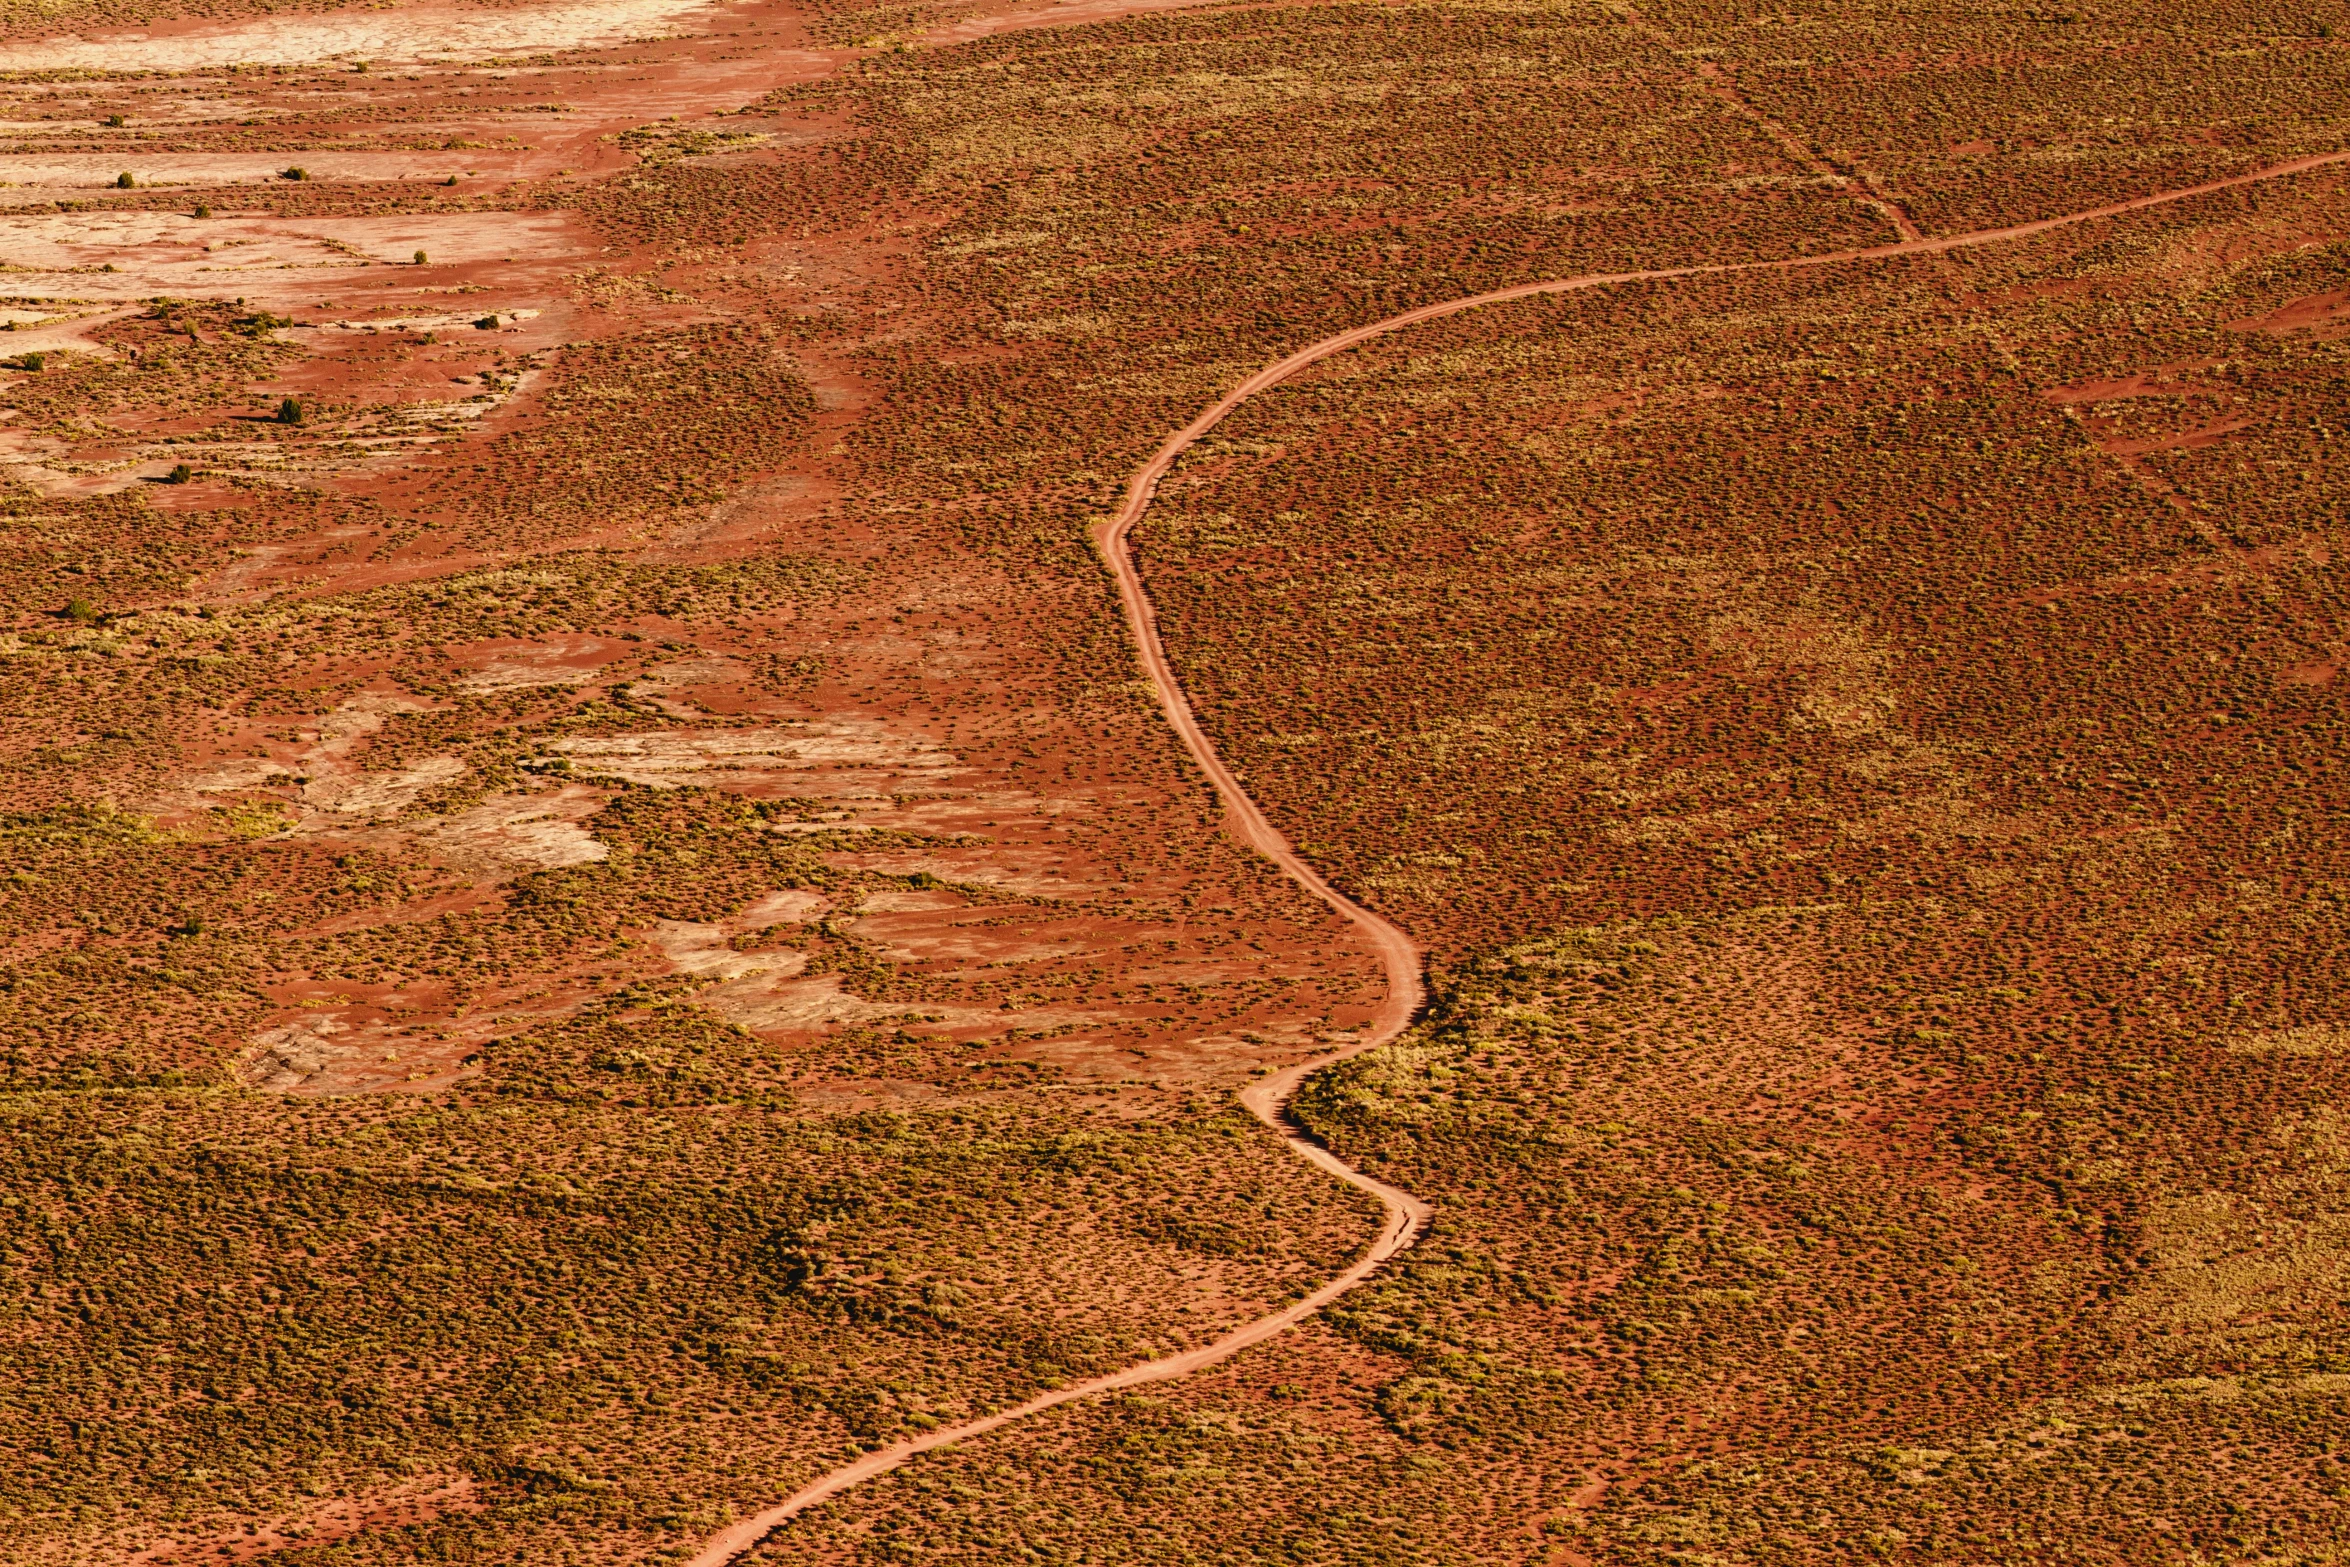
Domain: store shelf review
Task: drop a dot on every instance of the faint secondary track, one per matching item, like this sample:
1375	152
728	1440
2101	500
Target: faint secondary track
1268	1099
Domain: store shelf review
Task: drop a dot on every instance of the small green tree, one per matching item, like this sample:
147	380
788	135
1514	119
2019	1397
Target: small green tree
126	181
180	473
289	411
81	610
420	258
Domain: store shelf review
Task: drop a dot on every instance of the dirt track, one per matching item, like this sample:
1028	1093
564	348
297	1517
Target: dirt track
1405	1214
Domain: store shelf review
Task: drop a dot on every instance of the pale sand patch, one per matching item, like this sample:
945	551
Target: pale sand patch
2225	1390
378	795
192	109
771	991
369	796
541	831
336	787
236	255
422	321
58	334
356	1049
714	757
494	838
795	905
686	673
385	36
284	1057
2311	1039
515	677
164	170
694	948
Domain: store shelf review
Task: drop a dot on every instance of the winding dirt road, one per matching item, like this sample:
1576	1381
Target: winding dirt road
1268	1099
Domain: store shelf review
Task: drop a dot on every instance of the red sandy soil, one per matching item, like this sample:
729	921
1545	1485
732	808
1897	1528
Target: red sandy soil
1065	856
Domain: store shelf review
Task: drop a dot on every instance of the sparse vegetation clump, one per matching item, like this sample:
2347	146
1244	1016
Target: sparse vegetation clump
529	1299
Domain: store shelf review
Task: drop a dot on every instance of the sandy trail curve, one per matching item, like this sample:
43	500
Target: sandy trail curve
1268	1099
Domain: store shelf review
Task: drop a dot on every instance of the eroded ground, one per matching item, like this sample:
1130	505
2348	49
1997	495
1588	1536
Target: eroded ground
451	683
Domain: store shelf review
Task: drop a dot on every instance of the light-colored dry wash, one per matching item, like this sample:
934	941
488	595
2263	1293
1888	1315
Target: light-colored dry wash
2311	1039
385	36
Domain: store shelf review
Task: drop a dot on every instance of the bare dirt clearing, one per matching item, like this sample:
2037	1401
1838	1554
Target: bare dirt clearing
409	35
